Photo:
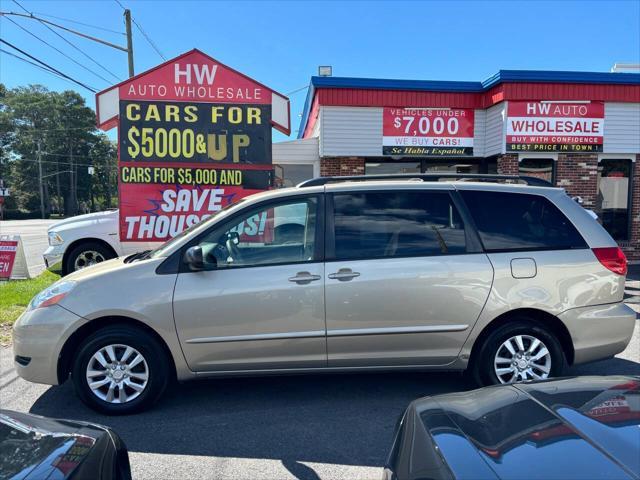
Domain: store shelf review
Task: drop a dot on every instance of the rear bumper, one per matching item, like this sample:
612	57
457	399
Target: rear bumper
599	332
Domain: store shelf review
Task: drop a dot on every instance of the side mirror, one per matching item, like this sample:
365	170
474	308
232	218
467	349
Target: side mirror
193	257
233	237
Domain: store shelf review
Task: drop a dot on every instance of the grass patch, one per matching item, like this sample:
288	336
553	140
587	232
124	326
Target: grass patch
14	298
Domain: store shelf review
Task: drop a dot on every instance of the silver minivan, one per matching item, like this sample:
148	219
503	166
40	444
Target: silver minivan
510	282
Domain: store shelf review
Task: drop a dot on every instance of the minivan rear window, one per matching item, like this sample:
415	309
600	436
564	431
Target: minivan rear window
516	221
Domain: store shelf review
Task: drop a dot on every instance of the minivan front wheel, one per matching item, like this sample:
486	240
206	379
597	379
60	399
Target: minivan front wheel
119	370
517	351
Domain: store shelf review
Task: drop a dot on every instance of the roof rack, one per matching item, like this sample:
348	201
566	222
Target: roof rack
428	177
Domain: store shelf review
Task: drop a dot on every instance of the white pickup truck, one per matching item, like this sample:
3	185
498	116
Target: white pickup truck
84	240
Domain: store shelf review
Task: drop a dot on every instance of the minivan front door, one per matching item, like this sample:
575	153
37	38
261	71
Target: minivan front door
405	280
259	302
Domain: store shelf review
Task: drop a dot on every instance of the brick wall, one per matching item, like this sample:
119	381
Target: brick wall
632	247
341	166
508	164
577	173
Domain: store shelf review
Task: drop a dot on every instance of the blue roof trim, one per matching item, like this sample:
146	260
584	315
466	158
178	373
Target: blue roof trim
503	76
387	84
561	77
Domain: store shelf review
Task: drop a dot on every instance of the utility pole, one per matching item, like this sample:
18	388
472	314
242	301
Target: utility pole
40	181
73	182
127	21
127	24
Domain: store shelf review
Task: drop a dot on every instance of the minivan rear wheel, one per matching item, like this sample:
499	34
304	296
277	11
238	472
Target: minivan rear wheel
119	370
518	351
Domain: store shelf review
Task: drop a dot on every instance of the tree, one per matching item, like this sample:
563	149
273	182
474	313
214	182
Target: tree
104	156
59	130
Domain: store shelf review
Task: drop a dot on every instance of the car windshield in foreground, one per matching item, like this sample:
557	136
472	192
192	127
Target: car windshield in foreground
159	252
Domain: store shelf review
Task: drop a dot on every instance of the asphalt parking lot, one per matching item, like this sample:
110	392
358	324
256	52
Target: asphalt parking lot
304	427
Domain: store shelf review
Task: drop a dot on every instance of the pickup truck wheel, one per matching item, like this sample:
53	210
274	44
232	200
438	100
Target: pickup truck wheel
86	254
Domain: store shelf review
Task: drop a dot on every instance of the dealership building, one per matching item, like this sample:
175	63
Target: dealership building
578	130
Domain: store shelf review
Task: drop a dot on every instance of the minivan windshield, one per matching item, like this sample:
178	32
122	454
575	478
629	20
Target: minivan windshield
159	252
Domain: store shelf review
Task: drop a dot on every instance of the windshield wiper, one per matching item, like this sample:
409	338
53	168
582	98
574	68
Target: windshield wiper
137	256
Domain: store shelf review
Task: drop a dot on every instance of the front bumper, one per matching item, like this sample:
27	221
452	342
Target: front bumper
38	335
53	258
600	331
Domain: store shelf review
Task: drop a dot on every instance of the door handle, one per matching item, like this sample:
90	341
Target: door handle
344	275
304	278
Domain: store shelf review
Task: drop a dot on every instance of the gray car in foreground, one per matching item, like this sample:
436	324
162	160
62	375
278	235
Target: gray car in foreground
585	427
508	282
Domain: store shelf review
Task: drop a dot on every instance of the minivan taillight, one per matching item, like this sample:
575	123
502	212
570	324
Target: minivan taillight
612	258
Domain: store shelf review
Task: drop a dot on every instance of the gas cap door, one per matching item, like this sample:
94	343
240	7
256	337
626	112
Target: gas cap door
523	268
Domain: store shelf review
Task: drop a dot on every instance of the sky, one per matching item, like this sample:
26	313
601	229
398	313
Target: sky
281	44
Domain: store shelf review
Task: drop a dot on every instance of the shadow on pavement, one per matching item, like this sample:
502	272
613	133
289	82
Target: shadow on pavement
613	366
342	419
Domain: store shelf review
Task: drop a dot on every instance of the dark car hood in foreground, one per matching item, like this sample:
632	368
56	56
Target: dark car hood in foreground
582	428
34	447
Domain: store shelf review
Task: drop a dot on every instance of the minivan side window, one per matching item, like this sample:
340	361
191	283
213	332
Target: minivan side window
389	224
270	235
516	221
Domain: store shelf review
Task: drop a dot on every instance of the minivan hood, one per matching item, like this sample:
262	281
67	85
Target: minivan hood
97	216
96	270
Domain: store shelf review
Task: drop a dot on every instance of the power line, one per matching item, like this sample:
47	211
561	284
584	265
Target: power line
80	23
61	129
6	52
297	90
151	42
56	162
68	42
147	37
48	66
58	50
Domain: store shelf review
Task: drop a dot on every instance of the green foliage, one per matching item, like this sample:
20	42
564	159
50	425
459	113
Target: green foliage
61	127
15	295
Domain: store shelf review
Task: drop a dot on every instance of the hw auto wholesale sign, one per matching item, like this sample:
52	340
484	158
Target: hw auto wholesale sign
193	136
427	131
555	126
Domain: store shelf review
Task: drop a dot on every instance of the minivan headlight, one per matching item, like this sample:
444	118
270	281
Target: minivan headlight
55	239
51	295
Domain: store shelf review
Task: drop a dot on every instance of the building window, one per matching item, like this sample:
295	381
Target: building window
389	168
291	174
614	177
432	165
544	168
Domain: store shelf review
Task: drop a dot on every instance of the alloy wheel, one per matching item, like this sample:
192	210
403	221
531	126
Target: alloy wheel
88	258
522	357
117	373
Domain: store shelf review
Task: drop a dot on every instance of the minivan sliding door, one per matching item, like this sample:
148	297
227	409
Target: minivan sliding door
402	287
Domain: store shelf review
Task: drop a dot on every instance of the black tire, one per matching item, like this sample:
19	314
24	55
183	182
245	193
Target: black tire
105	253
157	363
482	369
